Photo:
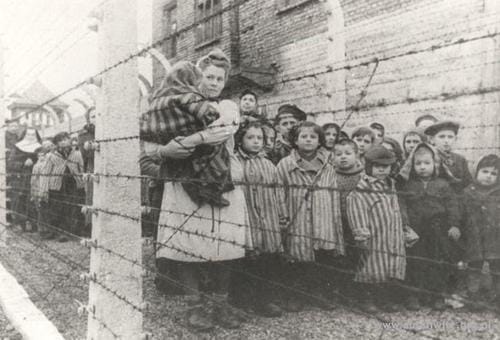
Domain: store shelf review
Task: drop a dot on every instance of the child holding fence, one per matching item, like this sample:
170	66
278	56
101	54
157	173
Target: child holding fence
433	214
482	231
312	215
378	221
260	176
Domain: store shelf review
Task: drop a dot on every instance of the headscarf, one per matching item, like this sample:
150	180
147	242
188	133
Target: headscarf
184	77
407	170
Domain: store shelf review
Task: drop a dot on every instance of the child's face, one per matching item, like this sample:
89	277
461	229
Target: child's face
270	138
213	81
330	137
364	143
253	140
345	157
307	140
424	164
444	140
379	136
381	171
64	143
411	142
248	103
287	122
487	176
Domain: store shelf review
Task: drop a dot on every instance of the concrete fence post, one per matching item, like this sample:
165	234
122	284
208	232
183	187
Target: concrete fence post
116	278
3	178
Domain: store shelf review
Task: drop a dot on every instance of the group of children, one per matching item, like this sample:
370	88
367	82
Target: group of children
364	219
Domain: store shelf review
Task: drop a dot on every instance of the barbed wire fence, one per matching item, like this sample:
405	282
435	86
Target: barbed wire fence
117	264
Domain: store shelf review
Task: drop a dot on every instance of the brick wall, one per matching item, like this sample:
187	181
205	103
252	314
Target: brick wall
294	43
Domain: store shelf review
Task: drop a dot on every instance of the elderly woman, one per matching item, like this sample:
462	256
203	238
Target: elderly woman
201	238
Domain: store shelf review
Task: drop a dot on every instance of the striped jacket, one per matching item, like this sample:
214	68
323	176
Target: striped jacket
35	178
264	209
55	166
378	215
314	215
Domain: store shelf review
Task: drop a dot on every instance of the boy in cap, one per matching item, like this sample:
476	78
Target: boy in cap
444	136
288	116
364	138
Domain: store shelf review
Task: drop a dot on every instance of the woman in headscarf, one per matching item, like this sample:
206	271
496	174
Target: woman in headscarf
19	166
203	239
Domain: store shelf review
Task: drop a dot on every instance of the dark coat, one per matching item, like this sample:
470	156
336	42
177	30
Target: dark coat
459	168
431	212
20	183
482	232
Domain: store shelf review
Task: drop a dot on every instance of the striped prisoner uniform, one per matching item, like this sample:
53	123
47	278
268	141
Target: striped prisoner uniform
315	220
378	213
262	202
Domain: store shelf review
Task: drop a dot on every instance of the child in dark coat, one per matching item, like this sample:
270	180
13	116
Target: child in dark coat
433	214
482	232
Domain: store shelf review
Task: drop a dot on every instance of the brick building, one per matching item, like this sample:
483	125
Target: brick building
419	56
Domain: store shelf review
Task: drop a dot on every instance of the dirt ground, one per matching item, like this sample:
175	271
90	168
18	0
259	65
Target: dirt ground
49	271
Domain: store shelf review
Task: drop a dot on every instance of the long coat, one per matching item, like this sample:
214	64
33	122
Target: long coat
20	184
374	207
190	233
262	201
432	210
482	228
314	215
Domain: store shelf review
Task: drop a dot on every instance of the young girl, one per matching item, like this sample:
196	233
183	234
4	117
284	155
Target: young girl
374	212
313	216
332	132
433	214
482	204
178	109
411	139
263	211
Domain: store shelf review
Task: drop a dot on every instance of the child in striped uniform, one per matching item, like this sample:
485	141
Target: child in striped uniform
264	216
313	215
374	208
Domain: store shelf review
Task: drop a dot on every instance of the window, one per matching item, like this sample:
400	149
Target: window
170	29
209	14
285	5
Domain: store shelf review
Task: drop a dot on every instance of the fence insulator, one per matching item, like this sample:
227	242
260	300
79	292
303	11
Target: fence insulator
86	177
90	309
147	241
91	146
81	310
146	336
87	277
145	210
95	178
89	243
144	272
145	306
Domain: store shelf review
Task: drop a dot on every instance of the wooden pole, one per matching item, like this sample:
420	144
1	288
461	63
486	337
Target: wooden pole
3	181
117	117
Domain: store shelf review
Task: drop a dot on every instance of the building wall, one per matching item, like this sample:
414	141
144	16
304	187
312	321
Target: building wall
294	43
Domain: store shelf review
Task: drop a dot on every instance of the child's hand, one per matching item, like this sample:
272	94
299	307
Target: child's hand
454	233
